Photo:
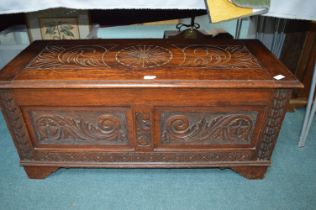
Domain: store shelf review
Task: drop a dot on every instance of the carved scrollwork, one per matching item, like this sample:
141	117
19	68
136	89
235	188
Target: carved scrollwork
73	129
195	128
143	128
219	57
16	125
273	123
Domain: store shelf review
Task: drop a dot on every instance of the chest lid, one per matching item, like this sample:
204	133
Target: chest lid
146	63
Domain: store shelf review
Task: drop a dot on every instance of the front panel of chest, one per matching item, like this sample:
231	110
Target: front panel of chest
144	125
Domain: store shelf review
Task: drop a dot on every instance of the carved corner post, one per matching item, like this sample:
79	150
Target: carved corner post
273	124
143	120
15	123
14	119
269	135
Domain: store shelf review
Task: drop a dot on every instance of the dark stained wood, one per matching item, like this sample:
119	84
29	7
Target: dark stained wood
39	172
306	63
84	104
299	55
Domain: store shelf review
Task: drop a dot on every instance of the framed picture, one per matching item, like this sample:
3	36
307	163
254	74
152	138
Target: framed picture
59	28
58	24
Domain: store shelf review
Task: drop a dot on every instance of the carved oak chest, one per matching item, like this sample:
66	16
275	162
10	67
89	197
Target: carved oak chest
145	103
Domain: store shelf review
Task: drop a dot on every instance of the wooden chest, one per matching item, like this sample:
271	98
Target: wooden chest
145	103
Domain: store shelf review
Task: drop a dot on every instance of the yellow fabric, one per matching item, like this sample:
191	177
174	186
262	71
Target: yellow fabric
221	10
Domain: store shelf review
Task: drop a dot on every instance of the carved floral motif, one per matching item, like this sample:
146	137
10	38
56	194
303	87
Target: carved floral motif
143	129
64	128
144	56
207	128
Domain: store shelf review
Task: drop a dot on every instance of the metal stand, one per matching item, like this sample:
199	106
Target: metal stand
238	28
310	112
278	33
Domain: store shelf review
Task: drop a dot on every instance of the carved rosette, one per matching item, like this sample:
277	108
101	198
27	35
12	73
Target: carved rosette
144	56
273	123
16	125
207	128
143	128
79	127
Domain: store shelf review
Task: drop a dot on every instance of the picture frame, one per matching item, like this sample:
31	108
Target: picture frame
55	24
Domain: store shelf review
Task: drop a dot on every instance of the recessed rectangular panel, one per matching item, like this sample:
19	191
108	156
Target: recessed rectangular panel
80	126
207	128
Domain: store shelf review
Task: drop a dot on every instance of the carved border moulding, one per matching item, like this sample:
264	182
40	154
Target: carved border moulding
144	56
80	127
218	57
143	128
273	123
202	128
143	157
16	125
65	57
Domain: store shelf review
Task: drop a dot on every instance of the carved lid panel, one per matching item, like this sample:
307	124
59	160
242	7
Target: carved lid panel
144	56
115	63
